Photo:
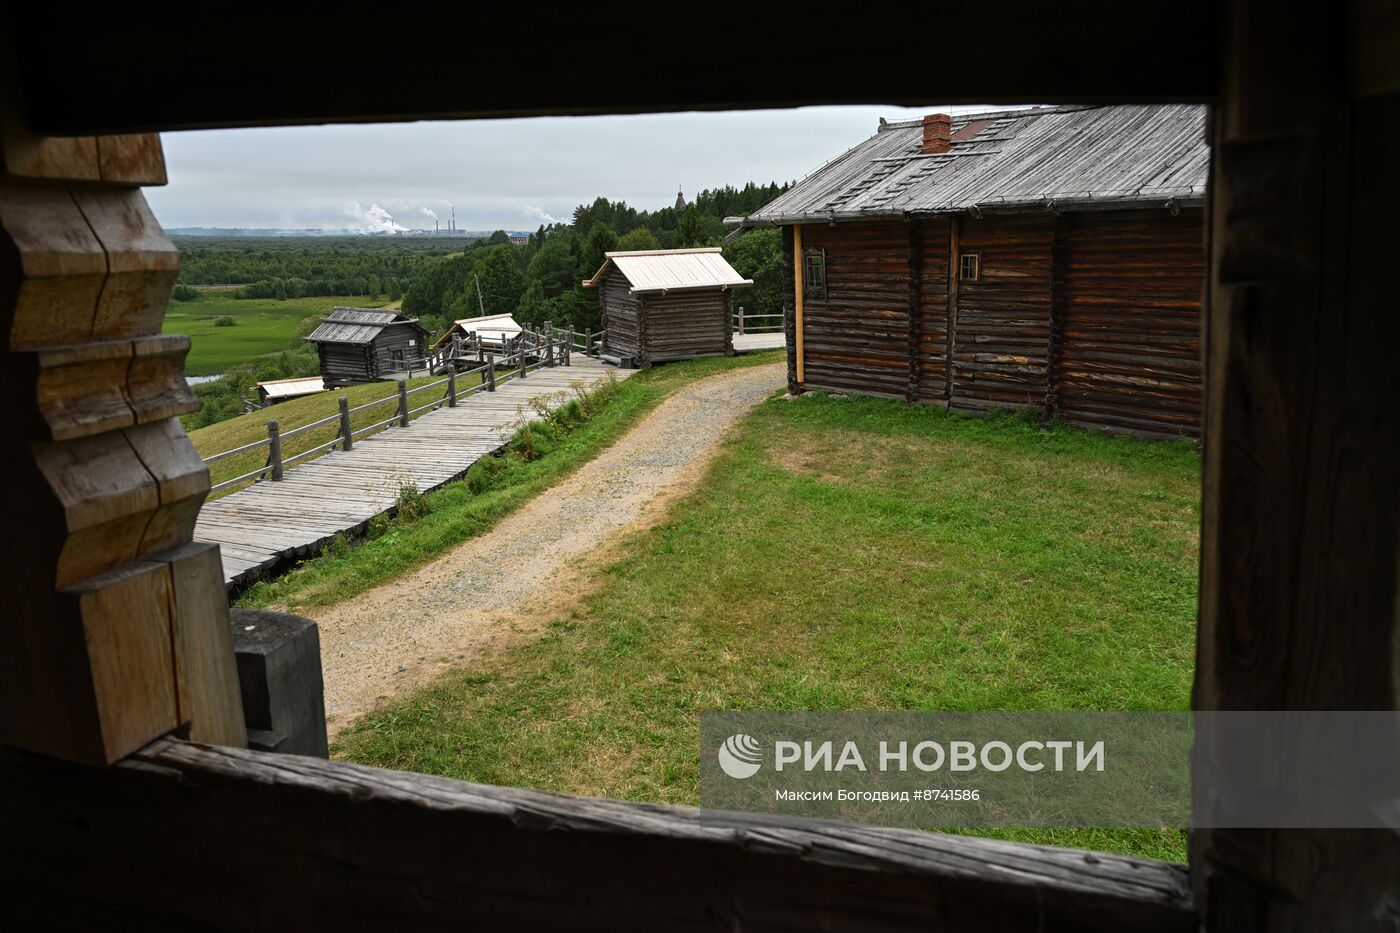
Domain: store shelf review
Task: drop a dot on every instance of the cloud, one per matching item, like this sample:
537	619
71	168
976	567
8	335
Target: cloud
374	219
539	214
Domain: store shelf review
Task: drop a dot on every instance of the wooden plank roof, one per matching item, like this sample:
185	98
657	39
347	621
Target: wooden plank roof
656	270
292	388
1072	157
356	325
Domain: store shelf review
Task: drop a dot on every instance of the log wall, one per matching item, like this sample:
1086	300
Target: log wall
856	337
621	315
1131	322
1002	329
1093	317
684	325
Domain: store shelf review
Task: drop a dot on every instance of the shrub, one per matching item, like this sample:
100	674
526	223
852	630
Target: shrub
183	292
410	504
224	321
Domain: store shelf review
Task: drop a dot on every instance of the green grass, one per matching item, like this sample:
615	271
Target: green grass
291	414
261	326
492	489
844	554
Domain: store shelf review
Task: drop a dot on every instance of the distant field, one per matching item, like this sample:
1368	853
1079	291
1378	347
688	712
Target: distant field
261	326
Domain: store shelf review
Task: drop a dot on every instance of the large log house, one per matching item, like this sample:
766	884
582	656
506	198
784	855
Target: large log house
1049	258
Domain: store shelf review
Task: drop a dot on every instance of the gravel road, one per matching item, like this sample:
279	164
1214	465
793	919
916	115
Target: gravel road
501	588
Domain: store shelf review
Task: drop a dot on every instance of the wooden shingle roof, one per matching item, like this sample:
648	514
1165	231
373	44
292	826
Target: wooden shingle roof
1071	157
356	325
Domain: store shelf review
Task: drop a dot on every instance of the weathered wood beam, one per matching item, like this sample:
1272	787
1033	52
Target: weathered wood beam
114	627
1301	526
164	73
328	844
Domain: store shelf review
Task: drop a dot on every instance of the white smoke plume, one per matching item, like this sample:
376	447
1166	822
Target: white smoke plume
429	212
375	219
539	214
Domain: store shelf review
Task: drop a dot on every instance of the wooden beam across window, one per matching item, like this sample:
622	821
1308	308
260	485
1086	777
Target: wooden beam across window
319	62
229	839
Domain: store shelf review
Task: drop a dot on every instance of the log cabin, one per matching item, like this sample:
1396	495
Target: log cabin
358	345
130	789
1050	259
492	329
666	304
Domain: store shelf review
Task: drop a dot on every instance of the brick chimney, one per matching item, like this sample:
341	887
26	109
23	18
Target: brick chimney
938	132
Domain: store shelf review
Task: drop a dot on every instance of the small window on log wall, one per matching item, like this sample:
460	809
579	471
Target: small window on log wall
814	273
970	267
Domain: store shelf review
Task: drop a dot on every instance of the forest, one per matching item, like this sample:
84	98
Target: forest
301	267
541	280
439	279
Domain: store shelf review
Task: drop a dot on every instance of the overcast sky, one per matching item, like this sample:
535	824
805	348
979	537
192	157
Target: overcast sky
500	174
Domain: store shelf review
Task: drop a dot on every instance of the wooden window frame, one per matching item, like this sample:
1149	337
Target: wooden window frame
1297	595
976	258
814	288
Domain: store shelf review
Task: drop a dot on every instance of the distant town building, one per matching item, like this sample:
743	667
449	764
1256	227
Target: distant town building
520	239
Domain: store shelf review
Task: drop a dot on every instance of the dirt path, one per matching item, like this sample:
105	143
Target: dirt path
499	589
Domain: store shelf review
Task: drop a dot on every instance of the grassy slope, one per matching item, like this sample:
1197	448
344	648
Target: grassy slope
263	326
245	429
459	512
844	554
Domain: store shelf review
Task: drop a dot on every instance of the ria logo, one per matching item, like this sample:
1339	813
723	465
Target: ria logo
740	756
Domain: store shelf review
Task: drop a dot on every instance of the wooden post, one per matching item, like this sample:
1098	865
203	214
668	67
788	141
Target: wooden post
548	343
588	342
950	335
1299	601
452	385
741	320
490	374
403	404
916	309
523	367
797	302
274	450
114	625
347	436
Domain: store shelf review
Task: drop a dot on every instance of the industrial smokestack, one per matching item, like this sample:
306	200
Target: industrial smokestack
454	219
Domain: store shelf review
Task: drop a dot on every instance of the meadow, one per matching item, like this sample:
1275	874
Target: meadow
260	326
840	554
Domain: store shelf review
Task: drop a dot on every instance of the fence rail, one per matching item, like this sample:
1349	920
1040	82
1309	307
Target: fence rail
521	355
742	317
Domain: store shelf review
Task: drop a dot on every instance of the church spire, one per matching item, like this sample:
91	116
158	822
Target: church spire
680	200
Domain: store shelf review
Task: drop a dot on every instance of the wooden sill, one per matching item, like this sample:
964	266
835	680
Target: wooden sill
190	834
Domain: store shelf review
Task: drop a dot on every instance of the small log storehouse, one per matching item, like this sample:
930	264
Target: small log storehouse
493	329
366	344
666	304
1049	259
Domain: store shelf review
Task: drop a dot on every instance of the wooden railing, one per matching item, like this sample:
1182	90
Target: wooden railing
522	355
741	325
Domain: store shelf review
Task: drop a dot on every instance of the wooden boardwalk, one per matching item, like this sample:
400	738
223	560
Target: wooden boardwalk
267	523
747	343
